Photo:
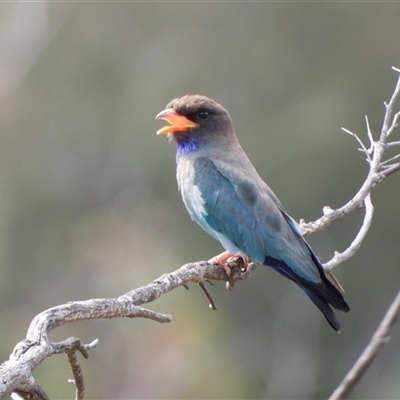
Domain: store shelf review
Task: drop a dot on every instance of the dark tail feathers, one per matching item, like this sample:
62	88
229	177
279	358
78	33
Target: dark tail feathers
324	307
323	294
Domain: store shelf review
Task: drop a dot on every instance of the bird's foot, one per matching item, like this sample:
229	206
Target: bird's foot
244	262
222	259
226	258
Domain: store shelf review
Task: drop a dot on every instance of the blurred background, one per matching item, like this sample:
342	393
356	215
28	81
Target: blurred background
89	206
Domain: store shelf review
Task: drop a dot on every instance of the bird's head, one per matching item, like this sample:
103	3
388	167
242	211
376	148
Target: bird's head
196	122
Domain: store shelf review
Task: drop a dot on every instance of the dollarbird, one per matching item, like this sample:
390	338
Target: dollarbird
225	195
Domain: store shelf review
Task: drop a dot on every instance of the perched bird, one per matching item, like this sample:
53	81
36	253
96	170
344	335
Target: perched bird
224	194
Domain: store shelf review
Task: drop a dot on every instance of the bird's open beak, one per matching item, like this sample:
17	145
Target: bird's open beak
178	122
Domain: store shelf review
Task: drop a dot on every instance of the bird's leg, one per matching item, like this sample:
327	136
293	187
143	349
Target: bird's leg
225	258
221	258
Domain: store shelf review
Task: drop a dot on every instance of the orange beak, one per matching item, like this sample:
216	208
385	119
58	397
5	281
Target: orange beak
179	123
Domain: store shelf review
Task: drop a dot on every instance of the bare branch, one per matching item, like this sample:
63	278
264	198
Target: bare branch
212	304
16	373
369	133
338	258
393	144
363	148
389	122
395	123
379	339
34	393
378	171
389	169
355	245
77	374
389	160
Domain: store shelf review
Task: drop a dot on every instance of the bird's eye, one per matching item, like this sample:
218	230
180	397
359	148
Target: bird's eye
204	114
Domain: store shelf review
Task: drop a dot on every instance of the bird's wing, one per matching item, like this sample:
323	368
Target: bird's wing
249	215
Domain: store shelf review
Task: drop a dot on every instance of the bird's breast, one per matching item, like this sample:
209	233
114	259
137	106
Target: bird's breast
195	203
191	194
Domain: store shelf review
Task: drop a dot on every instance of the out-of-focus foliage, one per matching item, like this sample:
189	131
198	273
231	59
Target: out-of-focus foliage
89	205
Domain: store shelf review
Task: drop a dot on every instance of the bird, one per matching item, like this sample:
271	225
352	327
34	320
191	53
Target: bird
225	195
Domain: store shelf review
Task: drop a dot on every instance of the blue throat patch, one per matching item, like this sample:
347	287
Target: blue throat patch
185	144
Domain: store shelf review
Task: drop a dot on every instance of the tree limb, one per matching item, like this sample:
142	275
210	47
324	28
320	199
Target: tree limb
379	169
16	373
379	339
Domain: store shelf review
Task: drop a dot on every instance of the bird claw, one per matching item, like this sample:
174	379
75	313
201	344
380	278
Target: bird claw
227	269
226	258
244	262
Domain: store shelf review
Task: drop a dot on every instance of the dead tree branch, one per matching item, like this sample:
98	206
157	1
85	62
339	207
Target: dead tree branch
378	340
16	373
379	169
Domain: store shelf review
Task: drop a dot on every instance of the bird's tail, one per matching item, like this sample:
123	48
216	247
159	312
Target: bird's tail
324	307
323	294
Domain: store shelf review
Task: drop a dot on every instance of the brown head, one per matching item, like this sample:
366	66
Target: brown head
196	122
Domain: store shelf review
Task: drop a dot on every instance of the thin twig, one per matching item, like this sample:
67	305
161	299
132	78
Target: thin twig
388	170
393	144
213	304
383	163
369	133
356	243
379	339
34	393
77	374
389	122
360	142
394	124
375	175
